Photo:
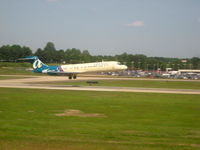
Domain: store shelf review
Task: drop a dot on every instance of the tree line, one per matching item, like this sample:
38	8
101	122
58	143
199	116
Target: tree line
49	54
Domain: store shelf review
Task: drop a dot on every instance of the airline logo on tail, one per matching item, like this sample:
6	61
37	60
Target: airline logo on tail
37	64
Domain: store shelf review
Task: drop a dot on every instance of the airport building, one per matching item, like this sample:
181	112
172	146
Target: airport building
181	71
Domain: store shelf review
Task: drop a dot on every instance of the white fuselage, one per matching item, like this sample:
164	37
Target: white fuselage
94	67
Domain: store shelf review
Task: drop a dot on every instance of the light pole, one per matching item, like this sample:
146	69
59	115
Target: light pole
178	66
184	65
190	66
132	64
160	67
139	65
157	66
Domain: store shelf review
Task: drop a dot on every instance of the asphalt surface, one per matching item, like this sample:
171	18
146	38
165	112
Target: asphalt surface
29	83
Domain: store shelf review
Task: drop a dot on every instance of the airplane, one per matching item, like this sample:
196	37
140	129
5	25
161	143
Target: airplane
71	70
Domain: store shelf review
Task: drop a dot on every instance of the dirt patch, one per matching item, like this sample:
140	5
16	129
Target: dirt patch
78	113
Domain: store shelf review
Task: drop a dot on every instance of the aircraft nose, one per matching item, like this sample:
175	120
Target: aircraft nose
124	67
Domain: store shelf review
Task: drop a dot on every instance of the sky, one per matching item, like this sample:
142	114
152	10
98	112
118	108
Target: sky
165	28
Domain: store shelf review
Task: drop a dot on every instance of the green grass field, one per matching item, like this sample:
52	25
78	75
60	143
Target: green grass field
128	120
8	68
11	77
137	83
14	71
13	64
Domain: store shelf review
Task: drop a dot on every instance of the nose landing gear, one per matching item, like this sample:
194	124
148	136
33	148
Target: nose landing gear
74	76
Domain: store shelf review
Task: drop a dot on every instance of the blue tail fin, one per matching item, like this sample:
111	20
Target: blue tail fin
38	65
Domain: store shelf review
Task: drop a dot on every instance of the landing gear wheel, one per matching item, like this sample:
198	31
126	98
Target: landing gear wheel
74	77
70	77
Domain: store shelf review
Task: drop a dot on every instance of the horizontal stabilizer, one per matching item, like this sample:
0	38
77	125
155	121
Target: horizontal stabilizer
30	59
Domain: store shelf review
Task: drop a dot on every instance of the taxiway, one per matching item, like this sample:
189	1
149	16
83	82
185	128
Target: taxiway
29	82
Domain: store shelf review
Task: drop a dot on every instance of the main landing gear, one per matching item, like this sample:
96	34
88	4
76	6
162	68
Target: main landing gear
72	76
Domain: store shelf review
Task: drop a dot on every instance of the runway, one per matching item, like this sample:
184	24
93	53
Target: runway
29	83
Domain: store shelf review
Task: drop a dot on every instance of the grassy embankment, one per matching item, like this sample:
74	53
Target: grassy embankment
128	120
15	68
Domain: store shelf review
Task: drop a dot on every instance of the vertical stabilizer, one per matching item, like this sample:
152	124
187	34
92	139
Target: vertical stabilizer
38	65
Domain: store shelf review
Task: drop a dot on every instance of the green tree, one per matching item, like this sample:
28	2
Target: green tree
195	62
50	52
73	56
12	53
41	55
60	56
85	56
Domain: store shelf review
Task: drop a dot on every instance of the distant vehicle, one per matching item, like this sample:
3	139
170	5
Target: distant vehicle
72	70
166	75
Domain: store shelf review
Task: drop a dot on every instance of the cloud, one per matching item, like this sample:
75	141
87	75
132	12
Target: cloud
136	24
198	20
